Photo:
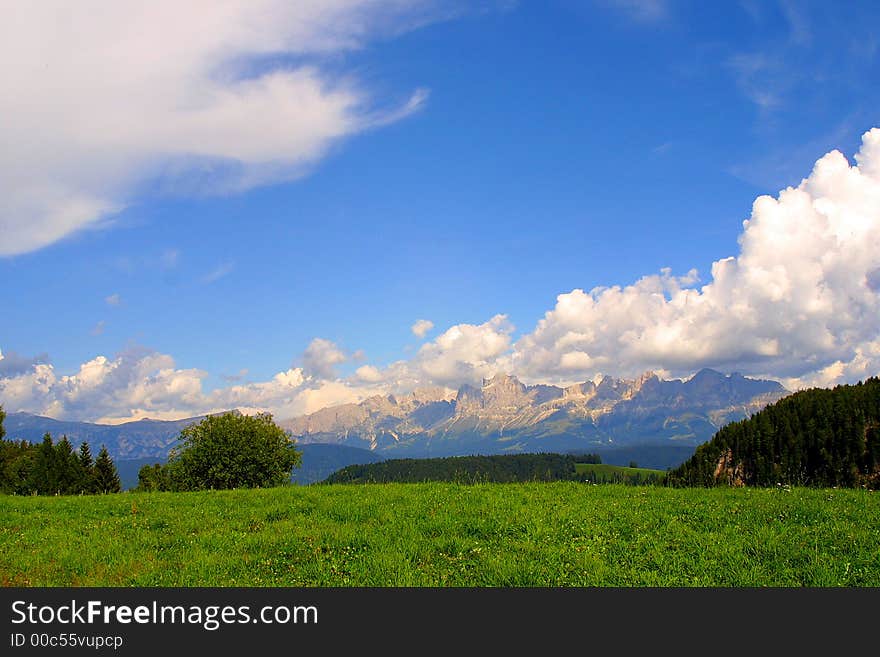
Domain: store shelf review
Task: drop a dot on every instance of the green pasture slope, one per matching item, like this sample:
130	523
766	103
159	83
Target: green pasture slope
533	534
602	473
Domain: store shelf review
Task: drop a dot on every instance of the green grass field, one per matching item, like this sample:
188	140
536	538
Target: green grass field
603	473
551	534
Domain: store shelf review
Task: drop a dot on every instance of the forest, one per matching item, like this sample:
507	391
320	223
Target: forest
817	437
505	468
48	468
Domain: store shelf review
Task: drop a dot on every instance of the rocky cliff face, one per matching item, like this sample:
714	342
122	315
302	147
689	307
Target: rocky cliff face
505	415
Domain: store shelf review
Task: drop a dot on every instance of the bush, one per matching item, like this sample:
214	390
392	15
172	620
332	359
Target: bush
227	451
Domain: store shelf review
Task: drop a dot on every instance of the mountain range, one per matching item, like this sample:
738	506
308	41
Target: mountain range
503	415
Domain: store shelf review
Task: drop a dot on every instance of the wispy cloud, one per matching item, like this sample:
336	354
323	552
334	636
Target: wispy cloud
103	104
217	273
113	300
647	11
169	258
98	329
800	32
761	77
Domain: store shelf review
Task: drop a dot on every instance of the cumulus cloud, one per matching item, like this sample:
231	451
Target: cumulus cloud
321	358
139	383
190	97
135	379
464	353
12	364
421	327
798	300
368	374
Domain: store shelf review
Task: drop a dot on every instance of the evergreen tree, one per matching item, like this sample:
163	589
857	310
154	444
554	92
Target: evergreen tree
815	437
87	469
106	476
67	476
41	474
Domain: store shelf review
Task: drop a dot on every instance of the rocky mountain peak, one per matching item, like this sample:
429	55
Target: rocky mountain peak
587	389
647	383
504	381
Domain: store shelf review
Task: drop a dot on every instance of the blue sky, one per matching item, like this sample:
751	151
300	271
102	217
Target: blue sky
485	160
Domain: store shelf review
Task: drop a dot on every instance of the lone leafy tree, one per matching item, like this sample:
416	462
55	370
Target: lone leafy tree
233	451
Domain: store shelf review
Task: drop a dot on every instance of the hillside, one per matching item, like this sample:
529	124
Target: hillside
320	461
815	437
507	416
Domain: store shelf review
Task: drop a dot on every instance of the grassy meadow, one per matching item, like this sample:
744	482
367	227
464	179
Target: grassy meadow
438	534
601	473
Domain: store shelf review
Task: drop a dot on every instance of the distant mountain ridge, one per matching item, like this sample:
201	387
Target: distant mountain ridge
505	415
130	440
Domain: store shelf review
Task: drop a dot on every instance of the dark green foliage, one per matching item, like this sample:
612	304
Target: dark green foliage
53	469
226	451
106	478
153	478
816	437
15	463
86	469
507	468
584	457
462	469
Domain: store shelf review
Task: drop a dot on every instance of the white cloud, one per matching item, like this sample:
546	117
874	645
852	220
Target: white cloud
200	96
647	11
321	358
12	364
796	301
98	329
464	353
800	302
217	273
113	300
421	327
368	374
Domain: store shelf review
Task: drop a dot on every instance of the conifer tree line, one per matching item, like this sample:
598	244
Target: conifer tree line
49	468
816	437
498	468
